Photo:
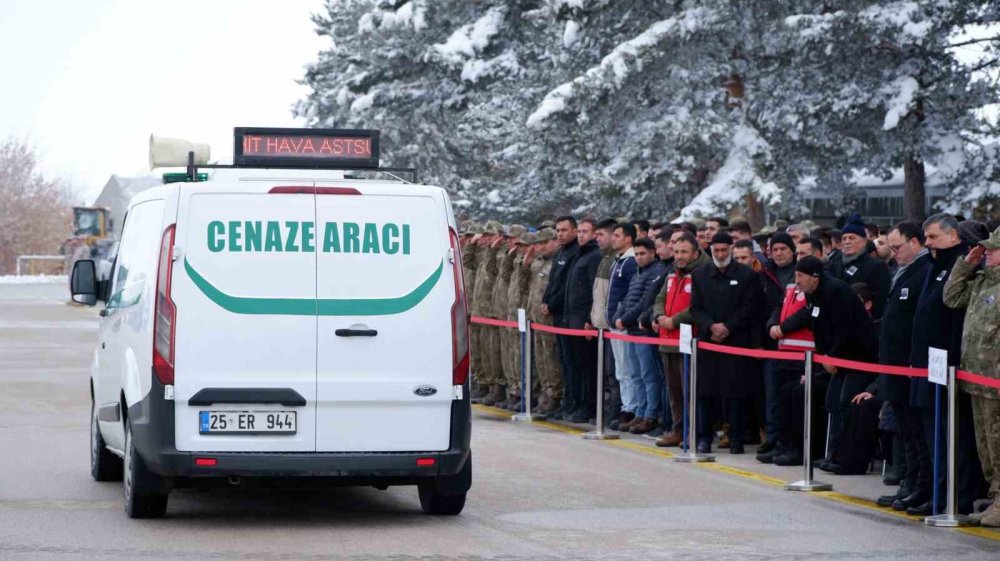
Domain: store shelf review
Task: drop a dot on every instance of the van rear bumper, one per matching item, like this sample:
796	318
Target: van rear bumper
152	421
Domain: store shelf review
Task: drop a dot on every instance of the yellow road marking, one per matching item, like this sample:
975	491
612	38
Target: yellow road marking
761	478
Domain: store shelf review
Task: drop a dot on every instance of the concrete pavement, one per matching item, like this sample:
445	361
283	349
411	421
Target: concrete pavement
538	493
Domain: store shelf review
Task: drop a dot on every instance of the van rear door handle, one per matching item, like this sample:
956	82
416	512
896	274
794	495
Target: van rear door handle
356	332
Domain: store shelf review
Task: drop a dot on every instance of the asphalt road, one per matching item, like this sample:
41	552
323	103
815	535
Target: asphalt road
537	493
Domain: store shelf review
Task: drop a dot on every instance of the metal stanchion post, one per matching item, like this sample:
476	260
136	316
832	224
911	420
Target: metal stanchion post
599	433
526	365
808	483
951	518
692	456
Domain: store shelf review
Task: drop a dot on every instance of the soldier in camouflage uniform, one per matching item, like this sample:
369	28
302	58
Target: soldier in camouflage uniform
471	251
517	296
498	309
545	358
482	350
977	290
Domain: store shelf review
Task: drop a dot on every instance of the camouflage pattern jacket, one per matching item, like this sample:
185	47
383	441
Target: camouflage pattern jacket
977	290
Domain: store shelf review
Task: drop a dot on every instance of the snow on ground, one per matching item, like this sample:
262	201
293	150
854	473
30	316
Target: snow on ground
34	279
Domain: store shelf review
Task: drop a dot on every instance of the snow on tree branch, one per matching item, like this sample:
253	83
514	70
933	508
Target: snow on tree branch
614	68
736	178
470	40
899	106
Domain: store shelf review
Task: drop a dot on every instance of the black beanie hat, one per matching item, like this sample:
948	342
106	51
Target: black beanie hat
785	239
855	226
809	265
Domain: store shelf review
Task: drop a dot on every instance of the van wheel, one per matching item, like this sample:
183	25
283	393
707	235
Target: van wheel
139	505
104	465
434	502
455	487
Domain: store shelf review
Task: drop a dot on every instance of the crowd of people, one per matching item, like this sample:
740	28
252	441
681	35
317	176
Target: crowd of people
861	292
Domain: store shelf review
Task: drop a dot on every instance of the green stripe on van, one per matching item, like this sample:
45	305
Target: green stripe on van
309	307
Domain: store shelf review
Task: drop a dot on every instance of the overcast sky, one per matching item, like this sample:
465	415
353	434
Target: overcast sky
87	82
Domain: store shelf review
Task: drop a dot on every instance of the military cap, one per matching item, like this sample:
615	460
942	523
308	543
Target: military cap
527	238
545	235
547	224
516	230
475	228
779	224
767	230
493	227
469	226
992	242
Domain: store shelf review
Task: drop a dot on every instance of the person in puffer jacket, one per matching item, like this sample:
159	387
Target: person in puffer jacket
644	359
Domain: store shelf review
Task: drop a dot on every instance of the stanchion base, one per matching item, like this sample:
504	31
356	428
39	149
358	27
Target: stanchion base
808	485
594	435
694	458
527	418
950	521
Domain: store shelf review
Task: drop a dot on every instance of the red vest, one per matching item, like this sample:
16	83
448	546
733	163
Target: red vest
678	299
803	338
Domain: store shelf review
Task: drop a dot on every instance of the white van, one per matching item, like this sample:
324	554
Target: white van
265	325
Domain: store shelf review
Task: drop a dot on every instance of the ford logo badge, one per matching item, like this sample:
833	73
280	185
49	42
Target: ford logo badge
425	391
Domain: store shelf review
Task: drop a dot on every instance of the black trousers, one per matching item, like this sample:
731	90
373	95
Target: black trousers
844	385
859	440
791	417
915	471
708	408
584	379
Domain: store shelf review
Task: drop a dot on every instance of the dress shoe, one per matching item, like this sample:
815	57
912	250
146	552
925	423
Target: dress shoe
704	447
887	500
724	441
769	456
656	433
581	416
920	510
913	499
613	424
644	425
767	447
832	467
736	448
625	421
670	439
791	457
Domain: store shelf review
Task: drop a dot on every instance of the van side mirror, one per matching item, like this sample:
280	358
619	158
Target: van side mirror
83	282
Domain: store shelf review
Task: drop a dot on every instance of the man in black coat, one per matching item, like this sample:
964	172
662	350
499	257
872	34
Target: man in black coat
581	387
936	325
554	302
906	243
858	266
723	301
843	329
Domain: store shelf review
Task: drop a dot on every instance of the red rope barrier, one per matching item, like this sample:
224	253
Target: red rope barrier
494	322
756	353
563	330
641	340
970	377
873	368
977	379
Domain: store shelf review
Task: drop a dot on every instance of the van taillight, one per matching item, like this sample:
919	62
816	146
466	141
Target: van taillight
165	313
459	318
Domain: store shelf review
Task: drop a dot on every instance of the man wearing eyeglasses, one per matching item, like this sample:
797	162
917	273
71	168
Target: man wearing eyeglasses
906	243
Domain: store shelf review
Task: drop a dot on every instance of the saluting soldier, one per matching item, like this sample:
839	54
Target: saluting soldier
486	276
498	310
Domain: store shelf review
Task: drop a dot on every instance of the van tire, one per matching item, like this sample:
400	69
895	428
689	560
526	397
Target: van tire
436	502
136	477
104	464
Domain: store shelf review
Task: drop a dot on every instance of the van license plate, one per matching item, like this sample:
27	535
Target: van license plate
246	422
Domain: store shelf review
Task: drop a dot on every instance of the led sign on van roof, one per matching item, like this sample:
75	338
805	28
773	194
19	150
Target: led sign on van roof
306	148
